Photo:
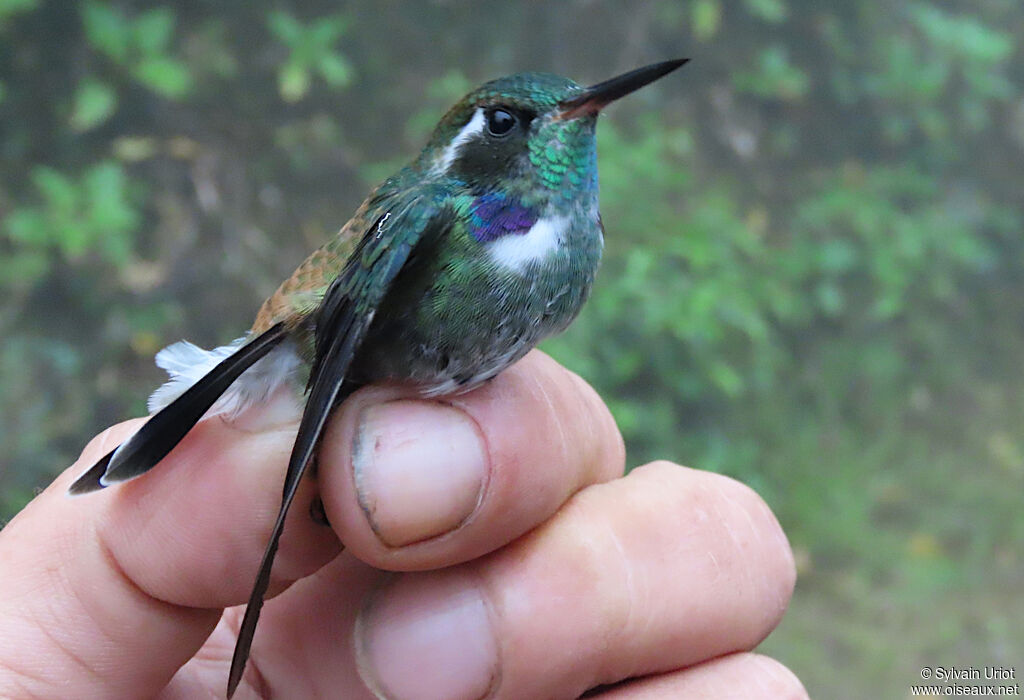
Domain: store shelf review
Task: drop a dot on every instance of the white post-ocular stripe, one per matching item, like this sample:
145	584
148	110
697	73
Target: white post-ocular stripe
517	250
473	126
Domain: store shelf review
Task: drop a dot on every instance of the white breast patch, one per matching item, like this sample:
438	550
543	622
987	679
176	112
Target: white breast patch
516	251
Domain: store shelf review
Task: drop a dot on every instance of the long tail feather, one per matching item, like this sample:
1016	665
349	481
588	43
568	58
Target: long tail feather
141	452
343	318
327	390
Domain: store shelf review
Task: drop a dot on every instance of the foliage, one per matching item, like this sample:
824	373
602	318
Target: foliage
74	218
310	49
813	261
138	46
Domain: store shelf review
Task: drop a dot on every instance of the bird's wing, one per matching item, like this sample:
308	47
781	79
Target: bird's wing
342	320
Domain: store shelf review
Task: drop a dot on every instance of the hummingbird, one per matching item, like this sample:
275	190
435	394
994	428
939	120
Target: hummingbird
451	270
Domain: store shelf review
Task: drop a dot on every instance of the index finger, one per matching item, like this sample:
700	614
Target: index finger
106	595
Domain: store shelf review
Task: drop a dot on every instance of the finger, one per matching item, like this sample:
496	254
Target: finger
663	569
114	590
192	531
742	676
303	634
413	483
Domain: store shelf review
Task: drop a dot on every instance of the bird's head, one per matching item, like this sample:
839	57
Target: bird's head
530	132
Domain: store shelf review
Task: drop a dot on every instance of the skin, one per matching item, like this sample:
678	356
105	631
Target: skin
530	568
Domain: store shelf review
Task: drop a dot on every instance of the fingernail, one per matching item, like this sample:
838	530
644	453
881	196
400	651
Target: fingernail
420	468
428	637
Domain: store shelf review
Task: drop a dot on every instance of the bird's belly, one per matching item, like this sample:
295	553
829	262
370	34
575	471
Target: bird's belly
445	340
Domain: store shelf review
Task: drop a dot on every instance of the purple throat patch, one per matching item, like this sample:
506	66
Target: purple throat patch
494	215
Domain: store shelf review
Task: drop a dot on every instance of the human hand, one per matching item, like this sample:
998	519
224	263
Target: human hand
523	565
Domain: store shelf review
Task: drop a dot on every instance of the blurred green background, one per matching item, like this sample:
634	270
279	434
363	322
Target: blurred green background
813	276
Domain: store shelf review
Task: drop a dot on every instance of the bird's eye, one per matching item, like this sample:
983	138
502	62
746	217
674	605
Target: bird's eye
500	121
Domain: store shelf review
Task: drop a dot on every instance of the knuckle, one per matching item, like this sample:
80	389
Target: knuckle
594	565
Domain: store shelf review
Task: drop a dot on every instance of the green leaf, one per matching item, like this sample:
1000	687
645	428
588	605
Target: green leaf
773	11
837	255
153	30
105	189
707	16
293	81
109	213
106	29
335	70
28	226
449	87
324	32
9	8
285	27
775	76
962	35
164	75
94	102
726	378
58	190
73	238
